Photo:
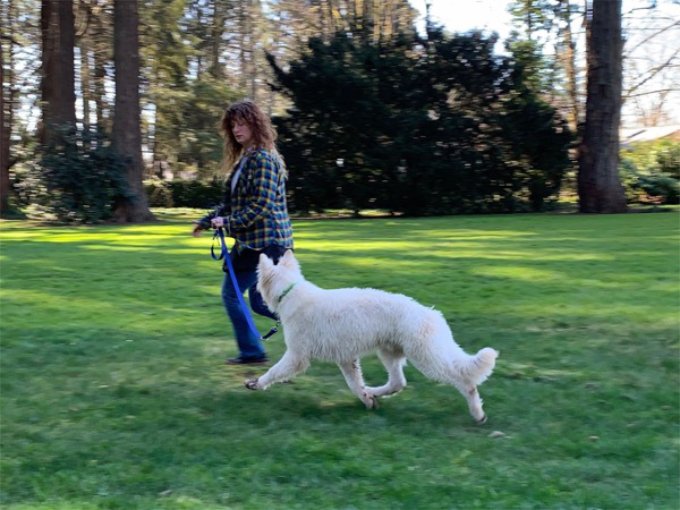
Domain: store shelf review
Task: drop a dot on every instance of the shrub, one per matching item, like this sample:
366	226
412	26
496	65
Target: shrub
73	179
158	193
663	187
651	172
450	128
184	193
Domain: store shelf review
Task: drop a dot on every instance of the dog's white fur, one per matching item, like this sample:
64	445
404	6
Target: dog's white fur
345	324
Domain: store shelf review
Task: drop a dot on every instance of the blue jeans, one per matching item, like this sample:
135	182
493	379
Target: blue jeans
245	267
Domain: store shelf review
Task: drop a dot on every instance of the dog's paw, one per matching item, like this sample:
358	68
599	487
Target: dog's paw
370	401
252	384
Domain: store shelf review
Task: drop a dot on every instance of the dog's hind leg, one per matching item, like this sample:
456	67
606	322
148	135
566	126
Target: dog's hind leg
458	371
288	366
474	403
355	380
394	363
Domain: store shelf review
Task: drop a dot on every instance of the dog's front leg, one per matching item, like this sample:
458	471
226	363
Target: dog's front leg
287	367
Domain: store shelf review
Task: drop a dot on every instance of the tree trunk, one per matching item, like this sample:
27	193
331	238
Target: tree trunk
8	104
4	139
217	31
599	185
127	136
252	60
528	6
368	21
243	15
58	72
85	90
569	63
99	84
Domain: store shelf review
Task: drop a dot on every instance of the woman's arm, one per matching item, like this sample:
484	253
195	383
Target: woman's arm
206	222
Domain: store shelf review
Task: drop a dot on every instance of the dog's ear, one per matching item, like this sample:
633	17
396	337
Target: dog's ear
289	260
265	262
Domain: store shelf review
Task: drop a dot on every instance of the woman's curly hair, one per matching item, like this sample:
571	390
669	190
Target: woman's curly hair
264	134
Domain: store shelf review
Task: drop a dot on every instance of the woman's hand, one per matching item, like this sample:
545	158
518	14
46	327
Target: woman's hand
217	222
196	232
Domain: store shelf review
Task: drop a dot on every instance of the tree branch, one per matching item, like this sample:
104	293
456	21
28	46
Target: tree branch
660	91
650	7
676	24
10	39
653	73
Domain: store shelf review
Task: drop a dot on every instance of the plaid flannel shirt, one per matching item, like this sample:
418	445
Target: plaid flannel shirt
256	214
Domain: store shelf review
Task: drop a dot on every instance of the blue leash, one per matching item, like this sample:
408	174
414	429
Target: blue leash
224	254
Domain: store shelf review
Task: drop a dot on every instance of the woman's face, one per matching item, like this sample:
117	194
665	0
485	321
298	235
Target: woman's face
242	132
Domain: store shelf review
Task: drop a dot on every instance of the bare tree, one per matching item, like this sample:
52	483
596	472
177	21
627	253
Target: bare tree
599	186
651	60
127	136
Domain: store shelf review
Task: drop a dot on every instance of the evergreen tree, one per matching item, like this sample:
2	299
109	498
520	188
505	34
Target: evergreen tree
419	126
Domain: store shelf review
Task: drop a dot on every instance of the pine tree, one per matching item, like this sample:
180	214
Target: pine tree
127	138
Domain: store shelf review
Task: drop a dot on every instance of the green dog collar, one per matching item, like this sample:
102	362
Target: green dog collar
285	292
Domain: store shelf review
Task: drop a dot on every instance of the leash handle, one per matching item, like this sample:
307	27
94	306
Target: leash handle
223	248
275	329
224	254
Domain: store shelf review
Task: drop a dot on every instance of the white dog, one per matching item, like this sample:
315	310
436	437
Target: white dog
345	324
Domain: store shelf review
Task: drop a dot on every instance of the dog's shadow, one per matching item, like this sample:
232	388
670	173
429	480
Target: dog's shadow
294	400
335	405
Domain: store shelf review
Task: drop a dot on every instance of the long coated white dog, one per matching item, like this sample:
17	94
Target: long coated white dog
343	325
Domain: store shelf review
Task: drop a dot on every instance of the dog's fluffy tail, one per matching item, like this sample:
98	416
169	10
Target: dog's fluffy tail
480	366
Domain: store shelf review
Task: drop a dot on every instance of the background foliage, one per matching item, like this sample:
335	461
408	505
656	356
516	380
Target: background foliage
407	119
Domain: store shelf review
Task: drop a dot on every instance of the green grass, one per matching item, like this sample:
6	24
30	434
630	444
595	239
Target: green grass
114	395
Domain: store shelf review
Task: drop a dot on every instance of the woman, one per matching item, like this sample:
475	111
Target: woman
254	213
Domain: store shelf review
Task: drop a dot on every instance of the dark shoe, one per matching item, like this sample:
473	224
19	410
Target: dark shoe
248	360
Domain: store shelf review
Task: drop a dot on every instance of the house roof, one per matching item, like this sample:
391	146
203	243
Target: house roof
647	134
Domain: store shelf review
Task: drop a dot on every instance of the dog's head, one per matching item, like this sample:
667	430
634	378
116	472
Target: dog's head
273	280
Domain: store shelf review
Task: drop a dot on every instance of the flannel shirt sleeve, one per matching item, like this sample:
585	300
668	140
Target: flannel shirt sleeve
218	211
262	197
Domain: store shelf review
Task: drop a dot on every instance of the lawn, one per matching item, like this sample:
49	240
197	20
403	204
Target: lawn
115	395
